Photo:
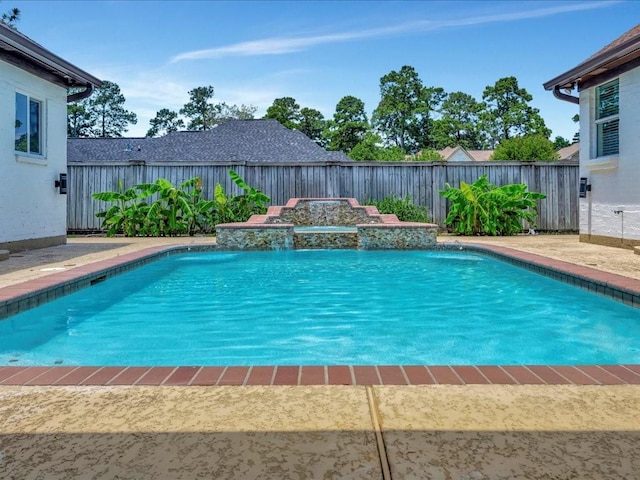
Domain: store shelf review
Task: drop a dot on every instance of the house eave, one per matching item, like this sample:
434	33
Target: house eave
596	66
16	46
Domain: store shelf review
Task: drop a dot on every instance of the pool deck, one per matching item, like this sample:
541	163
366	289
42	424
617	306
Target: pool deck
402	422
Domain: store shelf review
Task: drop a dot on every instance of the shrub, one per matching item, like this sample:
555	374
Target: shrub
428	155
481	208
403	208
370	149
528	148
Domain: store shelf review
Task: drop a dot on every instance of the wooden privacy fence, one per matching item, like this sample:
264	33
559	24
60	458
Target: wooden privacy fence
360	180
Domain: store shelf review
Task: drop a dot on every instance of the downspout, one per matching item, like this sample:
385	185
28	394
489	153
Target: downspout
81	95
563	96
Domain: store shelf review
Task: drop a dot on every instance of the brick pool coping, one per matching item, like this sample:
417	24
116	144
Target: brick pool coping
25	295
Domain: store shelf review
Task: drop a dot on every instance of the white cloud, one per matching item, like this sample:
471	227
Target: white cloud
283	45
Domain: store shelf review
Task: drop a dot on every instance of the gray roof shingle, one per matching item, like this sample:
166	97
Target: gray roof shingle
262	140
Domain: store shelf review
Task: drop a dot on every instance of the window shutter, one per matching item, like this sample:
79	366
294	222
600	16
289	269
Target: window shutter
608	99
607	122
608	143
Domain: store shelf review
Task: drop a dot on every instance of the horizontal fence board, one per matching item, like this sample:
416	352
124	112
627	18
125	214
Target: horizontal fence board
360	180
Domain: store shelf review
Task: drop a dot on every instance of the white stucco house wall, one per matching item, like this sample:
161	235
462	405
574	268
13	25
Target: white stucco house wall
608	85
34	87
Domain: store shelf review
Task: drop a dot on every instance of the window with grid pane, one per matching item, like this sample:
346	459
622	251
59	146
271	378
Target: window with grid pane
607	109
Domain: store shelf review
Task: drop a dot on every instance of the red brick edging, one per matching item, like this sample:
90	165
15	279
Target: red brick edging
325	375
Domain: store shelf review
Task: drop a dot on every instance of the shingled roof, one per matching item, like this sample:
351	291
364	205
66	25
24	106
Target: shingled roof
232	141
624	50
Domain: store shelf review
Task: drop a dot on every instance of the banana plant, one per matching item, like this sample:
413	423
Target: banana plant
180	209
254	196
482	208
128	212
176	210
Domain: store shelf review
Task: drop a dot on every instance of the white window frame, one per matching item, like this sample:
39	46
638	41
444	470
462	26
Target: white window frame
599	122
41	153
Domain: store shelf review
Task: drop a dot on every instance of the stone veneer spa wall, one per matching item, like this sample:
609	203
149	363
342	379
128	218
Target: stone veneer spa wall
327	223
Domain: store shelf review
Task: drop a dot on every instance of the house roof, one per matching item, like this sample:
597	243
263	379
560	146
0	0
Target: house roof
480	155
232	141
567	153
19	50
622	50
473	155
572	152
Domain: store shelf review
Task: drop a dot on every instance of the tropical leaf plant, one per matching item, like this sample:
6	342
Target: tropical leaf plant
176	210
254	196
482	208
128	212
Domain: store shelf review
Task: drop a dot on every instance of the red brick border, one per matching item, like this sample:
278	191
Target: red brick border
325	375
61	283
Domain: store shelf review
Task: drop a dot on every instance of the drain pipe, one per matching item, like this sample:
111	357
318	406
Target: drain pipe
74	97
563	96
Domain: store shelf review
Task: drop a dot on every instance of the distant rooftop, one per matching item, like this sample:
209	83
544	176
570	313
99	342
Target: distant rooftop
460	154
263	140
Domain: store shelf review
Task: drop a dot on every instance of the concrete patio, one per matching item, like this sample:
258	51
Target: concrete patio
369	431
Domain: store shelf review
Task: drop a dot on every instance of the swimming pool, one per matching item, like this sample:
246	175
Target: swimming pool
325	307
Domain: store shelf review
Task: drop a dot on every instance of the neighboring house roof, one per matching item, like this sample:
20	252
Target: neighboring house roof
622	51
232	141
480	155
456	154
572	152
24	53
460	154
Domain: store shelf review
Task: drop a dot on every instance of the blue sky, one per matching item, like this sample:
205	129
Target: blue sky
319	51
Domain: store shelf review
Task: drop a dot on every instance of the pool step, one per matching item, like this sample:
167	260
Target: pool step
4	255
322	239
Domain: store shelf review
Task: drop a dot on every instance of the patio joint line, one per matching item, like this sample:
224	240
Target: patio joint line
375	421
433	378
404	375
377	370
64	376
571	382
612	374
190	382
224	370
515	381
489	382
594	380
544	382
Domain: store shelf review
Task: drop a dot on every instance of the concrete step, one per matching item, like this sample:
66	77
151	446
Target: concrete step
4	255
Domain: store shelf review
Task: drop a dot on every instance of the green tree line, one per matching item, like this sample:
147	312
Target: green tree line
411	121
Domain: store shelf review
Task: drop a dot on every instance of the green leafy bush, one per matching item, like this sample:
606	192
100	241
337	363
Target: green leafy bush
176	210
481	208
526	149
370	149
403	208
428	155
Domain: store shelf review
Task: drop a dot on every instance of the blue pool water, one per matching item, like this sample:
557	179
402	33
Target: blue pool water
324	307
